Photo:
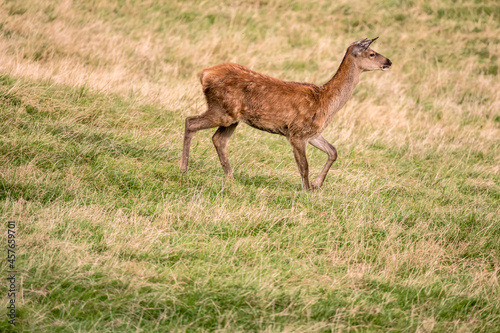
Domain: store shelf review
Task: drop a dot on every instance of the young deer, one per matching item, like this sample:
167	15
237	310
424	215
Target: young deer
299	111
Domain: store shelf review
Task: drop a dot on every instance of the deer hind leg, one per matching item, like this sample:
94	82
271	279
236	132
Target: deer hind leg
299	152
220	140
323	145
193	125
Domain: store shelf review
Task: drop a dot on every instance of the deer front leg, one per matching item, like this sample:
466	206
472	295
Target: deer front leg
299	152
323	145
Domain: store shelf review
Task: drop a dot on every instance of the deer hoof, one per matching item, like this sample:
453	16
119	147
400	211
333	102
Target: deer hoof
315	186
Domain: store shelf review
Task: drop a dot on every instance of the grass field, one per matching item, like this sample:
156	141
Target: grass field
403	236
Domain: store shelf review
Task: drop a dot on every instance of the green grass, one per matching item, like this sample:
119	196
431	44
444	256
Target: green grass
404	235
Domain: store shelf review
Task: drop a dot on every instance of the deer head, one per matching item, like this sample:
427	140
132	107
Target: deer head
366	58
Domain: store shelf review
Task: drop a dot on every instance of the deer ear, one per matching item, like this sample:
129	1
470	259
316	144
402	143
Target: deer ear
362	45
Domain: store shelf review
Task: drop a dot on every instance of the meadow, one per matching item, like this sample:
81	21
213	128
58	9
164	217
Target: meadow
111	237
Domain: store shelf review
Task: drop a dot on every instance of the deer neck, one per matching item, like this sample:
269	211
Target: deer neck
339	89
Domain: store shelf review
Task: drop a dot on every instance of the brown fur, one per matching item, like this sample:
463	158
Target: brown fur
299	111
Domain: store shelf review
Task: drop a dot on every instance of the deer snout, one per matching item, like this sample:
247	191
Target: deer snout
387	65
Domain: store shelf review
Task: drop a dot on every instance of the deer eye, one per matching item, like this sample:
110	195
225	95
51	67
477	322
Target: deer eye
372	55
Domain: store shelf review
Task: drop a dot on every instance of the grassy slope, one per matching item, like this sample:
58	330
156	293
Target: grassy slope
404	235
